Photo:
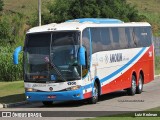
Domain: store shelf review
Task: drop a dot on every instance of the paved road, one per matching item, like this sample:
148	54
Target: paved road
117	101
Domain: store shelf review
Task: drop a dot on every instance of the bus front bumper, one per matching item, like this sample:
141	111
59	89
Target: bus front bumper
55	96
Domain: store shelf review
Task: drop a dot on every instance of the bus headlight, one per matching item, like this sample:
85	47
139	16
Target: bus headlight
30	90
73	87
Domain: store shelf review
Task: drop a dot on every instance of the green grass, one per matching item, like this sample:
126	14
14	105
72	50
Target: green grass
154	109
11	92
149	8
157	65
26	7
146	5
157	71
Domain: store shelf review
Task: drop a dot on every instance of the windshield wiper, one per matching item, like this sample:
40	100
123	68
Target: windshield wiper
57	71
53	65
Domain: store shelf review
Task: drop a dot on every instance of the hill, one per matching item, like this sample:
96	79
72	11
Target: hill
149	8
26	7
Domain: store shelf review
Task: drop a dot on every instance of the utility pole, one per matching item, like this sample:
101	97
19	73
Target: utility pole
39	11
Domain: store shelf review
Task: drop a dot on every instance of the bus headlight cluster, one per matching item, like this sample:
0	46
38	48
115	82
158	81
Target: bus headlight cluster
73	87
30	90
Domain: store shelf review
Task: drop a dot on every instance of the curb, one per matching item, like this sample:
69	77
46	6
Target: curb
14	104
156	76
1	105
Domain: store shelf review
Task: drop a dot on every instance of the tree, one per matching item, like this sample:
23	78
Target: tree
62	10
1	5
11	29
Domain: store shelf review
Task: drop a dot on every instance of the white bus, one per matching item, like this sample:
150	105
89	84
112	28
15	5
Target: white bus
85	58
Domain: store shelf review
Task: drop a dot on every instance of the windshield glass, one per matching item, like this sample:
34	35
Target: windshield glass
51	56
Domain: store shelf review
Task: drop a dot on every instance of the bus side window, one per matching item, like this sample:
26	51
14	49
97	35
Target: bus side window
136	37
86	41
129	37
86	44
115	37
96	39
105	38
146	37
149	35
122	38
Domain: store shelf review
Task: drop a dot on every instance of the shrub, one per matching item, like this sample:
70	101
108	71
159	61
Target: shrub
62	10
9	71
1	5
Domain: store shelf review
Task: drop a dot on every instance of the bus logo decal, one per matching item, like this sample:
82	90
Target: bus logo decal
106	59
117	57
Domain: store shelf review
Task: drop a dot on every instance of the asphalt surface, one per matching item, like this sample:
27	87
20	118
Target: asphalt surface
117	101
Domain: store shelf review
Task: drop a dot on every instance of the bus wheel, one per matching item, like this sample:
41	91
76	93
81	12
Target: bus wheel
140	85
47	103
94	98
132	90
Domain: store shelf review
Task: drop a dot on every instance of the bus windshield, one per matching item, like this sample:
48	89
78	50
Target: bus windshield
52	57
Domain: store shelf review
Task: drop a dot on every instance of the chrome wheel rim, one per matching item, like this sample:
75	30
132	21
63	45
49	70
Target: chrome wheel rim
95	92
134	85
140	84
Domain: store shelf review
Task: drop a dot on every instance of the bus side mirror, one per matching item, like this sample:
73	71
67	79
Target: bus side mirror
81	56
16	54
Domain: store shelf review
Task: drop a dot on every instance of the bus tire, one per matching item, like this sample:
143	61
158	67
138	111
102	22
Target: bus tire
47	103
139	88
132	89
94	98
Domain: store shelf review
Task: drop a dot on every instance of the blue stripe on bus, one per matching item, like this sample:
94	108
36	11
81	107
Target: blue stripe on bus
119	70
123	67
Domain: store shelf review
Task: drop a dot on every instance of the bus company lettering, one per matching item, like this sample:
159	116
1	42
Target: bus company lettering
39	85
117	57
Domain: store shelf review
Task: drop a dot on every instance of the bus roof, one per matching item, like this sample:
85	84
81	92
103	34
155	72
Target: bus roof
80	24
96	20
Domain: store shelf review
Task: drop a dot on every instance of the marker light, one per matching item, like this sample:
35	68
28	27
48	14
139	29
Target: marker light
73	87
27	97
30	90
